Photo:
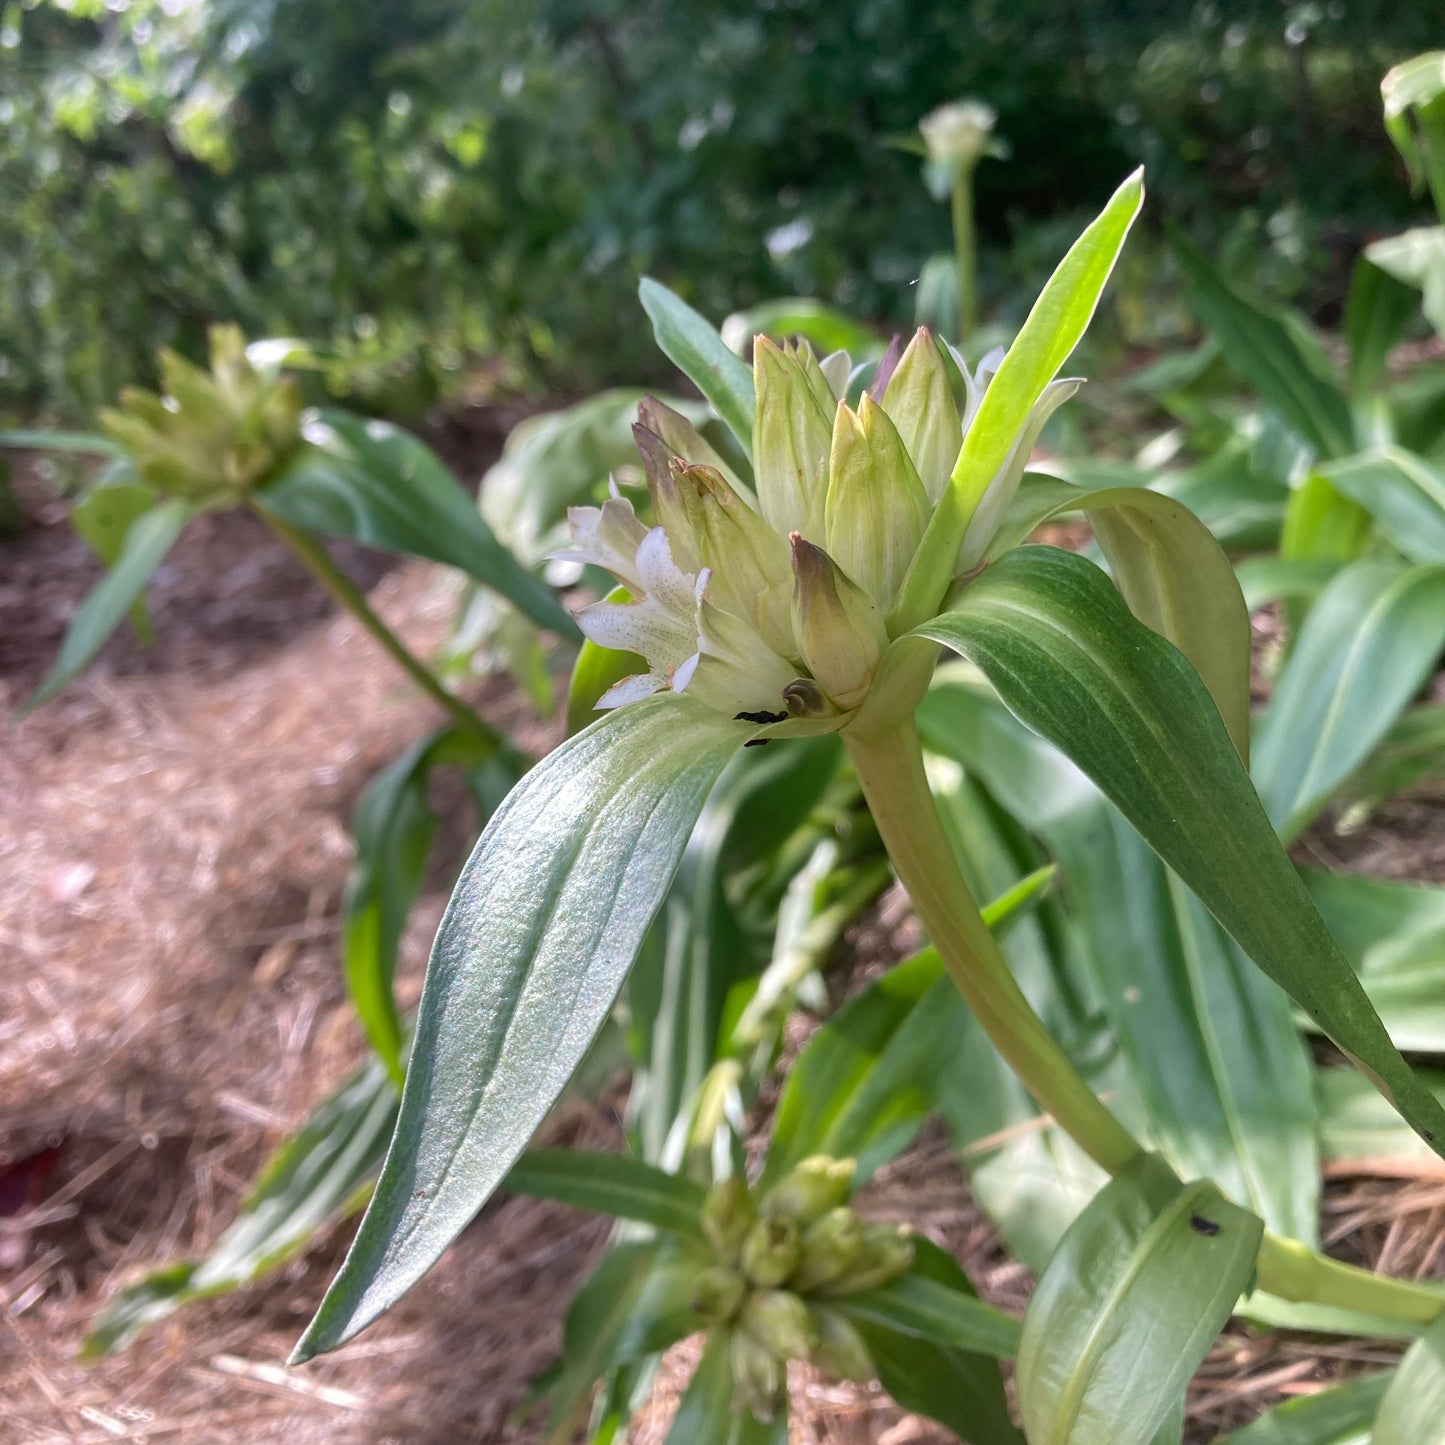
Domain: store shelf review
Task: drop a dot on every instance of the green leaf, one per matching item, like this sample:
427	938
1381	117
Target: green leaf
695	348
610	1184
959	1388
542	928
1069	660
917	1305
706	1415
1340	1416
1284	365
1322	523
825	327
377	484
1283	579
1417	257
1413	751
319	1173
1367	646
147	540
1357	1125
86	443
1141	1284
1403	493
635	1303
1377	311
1393	933
103	517
1211	1048
1170	570
1413	1410
1052	330
1415	84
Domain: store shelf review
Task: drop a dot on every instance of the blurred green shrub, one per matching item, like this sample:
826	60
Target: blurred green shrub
418	183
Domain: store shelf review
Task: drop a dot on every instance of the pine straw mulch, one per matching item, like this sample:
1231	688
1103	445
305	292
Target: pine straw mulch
173	845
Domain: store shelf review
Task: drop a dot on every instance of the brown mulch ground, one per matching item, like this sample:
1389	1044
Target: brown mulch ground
173	845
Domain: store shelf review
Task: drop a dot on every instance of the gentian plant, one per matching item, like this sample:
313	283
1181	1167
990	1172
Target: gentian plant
880	518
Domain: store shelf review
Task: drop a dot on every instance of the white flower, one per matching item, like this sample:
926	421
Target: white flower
958	133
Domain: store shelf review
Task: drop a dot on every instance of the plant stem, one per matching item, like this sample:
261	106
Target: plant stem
315	558
965	253
889	764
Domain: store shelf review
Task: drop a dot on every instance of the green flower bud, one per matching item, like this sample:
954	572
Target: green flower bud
840	1349
226	430
718	1294
770	1251
828	1247
886	1252
810	1189
682	439
919	399
727	1216
876	508
780	1322
792	432
836	623
760	1379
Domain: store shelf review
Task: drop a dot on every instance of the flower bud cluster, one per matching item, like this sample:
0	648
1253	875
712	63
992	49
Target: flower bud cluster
213	433
782	1260
771	602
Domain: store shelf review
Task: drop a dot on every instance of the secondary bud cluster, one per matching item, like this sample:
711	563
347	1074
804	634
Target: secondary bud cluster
782	1260
212	433
772	601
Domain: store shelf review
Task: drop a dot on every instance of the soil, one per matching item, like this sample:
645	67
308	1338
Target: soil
173	848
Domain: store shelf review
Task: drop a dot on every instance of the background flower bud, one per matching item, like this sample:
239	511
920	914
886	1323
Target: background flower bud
727	1216
718	1293
779	1321
840	1349
838	627
770	1251
887	1252
829	1245
810	1189
876	508
760	1379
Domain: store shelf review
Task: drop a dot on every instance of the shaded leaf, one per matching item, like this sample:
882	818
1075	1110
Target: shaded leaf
1405	495
1377	310
706	1415
610	1184
1340	1416
1413	1410
1131	1301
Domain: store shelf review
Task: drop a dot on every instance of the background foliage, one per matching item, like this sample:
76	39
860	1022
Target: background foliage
421	183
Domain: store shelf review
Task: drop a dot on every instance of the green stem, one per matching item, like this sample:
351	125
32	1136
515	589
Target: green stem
965	252
889	764
315	558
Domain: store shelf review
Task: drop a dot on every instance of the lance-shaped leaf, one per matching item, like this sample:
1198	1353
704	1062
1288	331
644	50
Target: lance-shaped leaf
1139	1287
1412	752
1417	257
375	483
1377	311
961	1387
1052	330
1413	1410
1367	646
147	540
610	1184
1358	1128
543	926
1171	571
1341	1416
1072	663
706	1415
1275	356
689	341
1405	495
115	500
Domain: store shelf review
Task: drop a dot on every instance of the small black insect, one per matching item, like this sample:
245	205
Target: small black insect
757	742
761	717
1201	1225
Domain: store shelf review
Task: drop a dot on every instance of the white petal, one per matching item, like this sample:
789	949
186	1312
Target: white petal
631	689
607	536
661	577
640	627
735	670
